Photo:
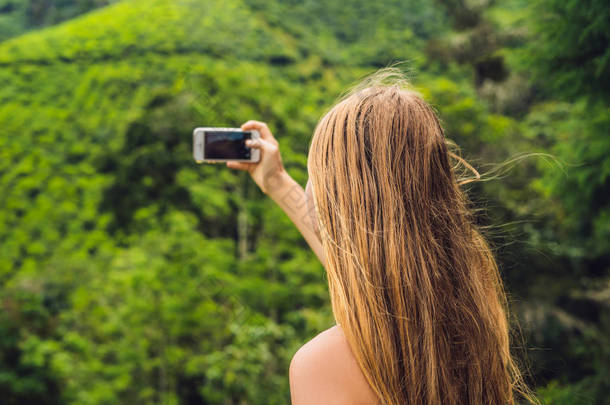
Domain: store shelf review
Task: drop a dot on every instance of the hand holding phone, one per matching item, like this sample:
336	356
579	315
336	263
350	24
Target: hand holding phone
269	173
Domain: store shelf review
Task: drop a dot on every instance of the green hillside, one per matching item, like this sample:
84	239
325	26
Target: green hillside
19	16
129	274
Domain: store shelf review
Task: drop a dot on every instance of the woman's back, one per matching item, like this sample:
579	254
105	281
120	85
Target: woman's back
325	371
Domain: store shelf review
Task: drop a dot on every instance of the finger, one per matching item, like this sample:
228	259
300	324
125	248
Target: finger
259	144
253	143
240	165
261	127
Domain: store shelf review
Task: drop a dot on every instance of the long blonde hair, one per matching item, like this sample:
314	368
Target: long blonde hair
413	283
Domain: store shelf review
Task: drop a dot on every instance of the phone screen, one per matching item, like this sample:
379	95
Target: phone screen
227	145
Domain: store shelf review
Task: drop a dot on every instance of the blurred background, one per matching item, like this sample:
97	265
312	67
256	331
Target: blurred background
131	275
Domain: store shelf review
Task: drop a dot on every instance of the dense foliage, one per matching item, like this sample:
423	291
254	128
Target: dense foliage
129	274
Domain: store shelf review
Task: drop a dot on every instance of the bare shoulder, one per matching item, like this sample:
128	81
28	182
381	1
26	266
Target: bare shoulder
325	371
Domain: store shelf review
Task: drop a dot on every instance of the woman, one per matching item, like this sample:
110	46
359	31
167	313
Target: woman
415	290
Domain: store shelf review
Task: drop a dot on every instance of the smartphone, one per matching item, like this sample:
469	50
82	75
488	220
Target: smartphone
212	145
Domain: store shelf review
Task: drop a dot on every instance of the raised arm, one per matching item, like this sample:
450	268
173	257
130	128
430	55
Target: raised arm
269	174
